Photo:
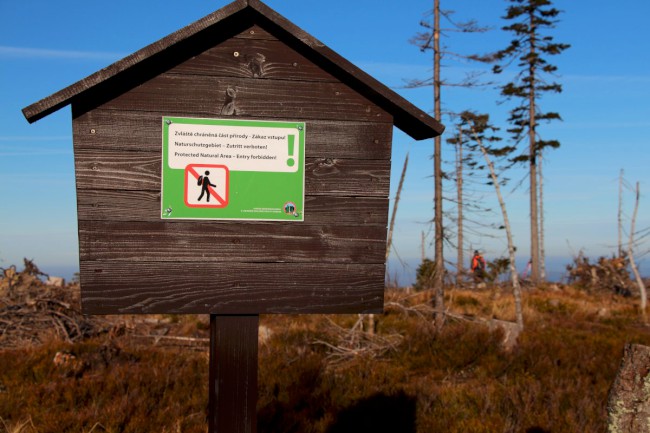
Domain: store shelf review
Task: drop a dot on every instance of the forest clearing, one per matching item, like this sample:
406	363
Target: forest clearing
65	372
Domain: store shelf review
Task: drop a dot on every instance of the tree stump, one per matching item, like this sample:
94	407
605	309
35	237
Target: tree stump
628	407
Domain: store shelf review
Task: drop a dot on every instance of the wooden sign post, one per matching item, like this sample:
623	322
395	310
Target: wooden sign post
236	167
233	373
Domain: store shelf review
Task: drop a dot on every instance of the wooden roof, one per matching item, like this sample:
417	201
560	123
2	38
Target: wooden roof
407	117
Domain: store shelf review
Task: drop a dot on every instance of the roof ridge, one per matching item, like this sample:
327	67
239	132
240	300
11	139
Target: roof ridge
407	116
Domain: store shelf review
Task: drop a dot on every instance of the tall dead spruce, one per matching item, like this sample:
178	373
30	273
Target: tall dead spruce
530	21
430	40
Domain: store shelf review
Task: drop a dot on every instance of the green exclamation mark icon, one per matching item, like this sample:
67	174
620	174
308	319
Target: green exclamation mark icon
291	161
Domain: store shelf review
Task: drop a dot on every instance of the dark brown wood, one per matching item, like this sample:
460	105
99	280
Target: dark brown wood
142	131
366	178
122	287
202	242
205	96
247	62
141	171
253	58
232	393
124	205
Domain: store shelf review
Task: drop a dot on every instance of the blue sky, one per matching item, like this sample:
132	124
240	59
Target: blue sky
46	46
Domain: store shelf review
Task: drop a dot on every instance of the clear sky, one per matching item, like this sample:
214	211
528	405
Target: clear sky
46	46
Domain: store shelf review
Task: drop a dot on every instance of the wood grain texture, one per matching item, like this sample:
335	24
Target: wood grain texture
230	288
253	58
142	132
144	206
232	379
271	99
203	242
140	171
134	262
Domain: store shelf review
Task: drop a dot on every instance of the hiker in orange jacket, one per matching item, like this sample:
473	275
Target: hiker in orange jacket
478	267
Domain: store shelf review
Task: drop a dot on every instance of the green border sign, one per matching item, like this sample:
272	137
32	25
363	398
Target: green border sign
232	169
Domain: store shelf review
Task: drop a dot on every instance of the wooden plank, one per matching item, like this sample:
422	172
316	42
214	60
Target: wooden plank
206	96
347	177
140	171
253	58
230	288
142	131
118	205
137	171
232	378
199	241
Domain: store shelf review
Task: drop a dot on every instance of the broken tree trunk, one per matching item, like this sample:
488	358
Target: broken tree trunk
630	254
628	407
514	276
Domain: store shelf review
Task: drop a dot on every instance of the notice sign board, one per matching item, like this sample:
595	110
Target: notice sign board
232	169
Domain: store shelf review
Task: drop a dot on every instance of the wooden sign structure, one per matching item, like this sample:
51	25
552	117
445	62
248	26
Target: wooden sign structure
323	252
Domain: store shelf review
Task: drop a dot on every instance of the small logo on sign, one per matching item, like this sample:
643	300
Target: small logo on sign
290	208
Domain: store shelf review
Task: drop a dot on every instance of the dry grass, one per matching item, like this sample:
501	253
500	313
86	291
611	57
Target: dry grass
461	380
555	380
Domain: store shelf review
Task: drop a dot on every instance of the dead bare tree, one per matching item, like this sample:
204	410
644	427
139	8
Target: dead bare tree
430	40
389	241
542	249
469	179
478	126
620	213
371	317
630	255
437	177
459	198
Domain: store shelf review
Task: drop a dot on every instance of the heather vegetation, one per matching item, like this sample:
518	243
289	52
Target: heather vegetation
321	373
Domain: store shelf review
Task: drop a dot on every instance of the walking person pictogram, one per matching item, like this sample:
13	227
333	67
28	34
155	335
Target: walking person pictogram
204	177
204	182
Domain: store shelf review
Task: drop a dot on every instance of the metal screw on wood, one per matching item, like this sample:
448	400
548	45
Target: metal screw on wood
92	131
236	54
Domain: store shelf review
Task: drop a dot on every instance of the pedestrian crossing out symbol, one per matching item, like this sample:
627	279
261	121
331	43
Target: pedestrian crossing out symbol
206	186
